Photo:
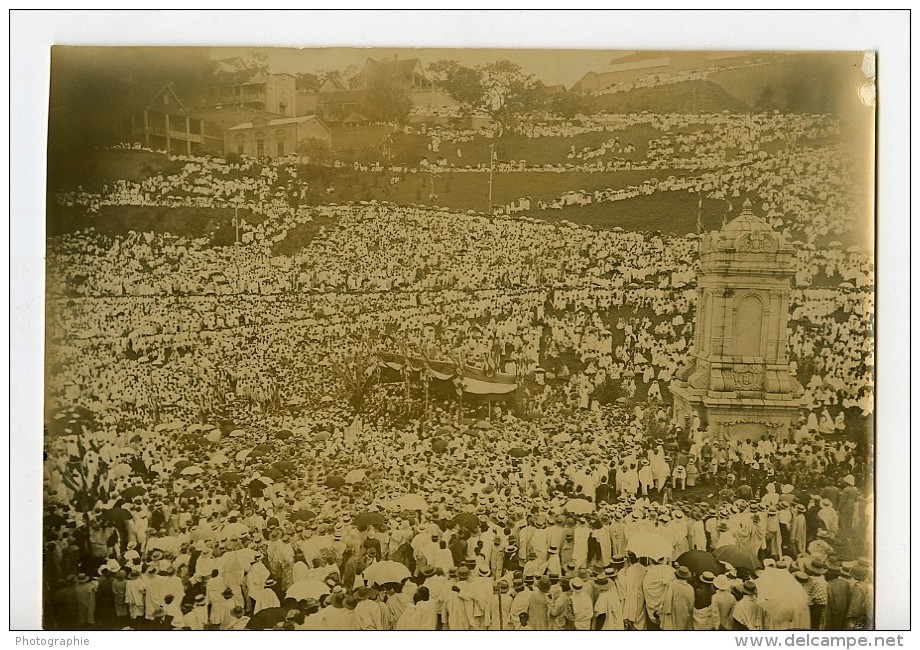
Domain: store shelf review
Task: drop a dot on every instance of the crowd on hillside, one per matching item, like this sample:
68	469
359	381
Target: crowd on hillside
620	301
667	79
226	448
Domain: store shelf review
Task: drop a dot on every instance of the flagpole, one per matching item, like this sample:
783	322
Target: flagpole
236	248
491	165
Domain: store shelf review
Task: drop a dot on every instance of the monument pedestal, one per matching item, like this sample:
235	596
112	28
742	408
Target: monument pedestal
735	416
738	378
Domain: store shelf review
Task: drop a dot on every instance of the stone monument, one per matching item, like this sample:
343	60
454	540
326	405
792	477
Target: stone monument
738	380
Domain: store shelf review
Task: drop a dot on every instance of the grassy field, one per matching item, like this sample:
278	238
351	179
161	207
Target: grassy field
106	167
409	149
470	191
684	97
300	236
216	223
668	212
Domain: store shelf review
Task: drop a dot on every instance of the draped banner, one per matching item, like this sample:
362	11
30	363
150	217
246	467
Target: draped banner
474	380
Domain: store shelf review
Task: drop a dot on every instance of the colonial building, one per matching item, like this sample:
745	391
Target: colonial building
335	101
338	101
409	73
738	380
166	124
274	138
273	93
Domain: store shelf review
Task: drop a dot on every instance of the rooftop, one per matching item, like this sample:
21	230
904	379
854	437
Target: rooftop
278	122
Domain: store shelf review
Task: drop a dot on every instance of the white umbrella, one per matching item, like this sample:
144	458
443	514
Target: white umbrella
192	470
236	529
649	545
307	589
579	506
242	455
411	502
386	571
355	476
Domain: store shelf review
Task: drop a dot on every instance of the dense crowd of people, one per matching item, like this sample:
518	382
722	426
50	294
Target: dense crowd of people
228	449
591	502
616	303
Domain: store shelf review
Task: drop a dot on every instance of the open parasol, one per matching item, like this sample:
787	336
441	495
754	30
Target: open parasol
369	519
133	491
699	561
307	589
649	545
116	514
467	520
381	573
355	476
335	481
411	502
738	556
579	506
303	515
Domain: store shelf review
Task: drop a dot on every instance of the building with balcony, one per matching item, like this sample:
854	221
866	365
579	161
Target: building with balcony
409	73
275	93
166	124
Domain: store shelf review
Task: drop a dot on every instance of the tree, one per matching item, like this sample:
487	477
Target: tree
462	83
95	90
568	105
385	98
767	99
308	82
508	92
354	374
316	151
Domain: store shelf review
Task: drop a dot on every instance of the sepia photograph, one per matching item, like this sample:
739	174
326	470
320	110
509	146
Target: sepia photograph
417	338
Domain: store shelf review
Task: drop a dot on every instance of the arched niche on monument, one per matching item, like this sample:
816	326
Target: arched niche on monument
747	326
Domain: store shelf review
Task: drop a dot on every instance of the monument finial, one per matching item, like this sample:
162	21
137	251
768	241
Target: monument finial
747	207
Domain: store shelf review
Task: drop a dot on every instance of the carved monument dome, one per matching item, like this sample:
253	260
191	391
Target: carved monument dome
747	233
